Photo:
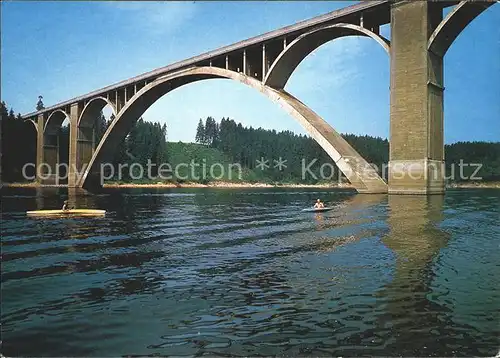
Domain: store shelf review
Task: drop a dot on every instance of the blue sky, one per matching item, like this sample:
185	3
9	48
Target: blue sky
65	49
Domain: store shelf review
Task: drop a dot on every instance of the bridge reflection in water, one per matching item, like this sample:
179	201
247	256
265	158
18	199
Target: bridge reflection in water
415	240
407	305
77	198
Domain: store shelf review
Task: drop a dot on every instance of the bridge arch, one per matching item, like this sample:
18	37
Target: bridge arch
454	23
92	109
55	120
362	176
52	148
288	60
33	123
87	133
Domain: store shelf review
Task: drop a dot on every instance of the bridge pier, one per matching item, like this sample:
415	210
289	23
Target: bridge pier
86	144
416	115
73	170
39	147
47	153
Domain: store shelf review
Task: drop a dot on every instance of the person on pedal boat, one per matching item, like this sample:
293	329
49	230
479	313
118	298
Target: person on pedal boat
319	204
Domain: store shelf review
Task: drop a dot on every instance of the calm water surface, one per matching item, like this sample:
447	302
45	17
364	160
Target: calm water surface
244	272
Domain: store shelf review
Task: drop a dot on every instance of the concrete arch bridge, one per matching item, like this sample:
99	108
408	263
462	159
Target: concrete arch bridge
420	37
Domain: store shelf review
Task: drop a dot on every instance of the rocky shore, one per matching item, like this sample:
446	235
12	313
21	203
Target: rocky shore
221	184
228	185
216	184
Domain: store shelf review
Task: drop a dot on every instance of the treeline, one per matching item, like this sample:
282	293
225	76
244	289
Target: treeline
248	146
146	141
18	144
253	148
469	155
19	138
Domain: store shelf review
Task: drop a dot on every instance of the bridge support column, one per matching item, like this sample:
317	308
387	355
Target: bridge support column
39	147
73	171
86	144
416	130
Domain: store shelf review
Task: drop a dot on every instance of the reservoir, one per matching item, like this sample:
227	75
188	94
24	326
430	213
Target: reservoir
245	272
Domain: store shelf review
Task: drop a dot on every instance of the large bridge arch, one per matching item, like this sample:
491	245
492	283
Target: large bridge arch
295	52
453	24
361	175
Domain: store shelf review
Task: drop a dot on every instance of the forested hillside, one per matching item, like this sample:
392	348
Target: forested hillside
246	145
18	144
228	142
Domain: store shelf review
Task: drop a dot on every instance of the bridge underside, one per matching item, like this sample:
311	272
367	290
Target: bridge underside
361	175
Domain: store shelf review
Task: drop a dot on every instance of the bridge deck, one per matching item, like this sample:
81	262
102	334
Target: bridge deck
378	9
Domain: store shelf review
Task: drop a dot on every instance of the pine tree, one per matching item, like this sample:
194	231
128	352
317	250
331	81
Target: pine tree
210	131
200	133
100	127
39	104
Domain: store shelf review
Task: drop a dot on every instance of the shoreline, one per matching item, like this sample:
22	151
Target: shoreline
228	185
474	185
232	185
31	185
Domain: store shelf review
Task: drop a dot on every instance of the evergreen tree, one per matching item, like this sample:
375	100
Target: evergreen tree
100	127
210	132
18	144
200	133
39	104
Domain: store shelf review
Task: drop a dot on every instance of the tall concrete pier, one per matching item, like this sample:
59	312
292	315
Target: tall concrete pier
416	142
